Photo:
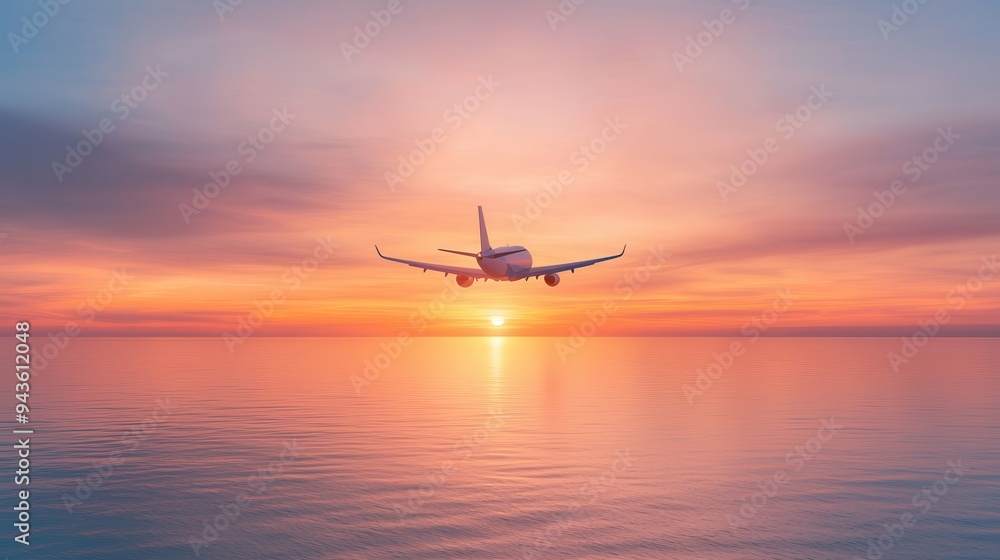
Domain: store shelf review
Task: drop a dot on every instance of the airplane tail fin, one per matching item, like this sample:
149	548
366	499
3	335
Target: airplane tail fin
484	238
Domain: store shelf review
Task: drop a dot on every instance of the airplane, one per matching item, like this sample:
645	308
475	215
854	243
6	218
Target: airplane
501	264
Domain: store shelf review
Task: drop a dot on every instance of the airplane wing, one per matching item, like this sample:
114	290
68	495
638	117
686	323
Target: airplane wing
447	269
537	271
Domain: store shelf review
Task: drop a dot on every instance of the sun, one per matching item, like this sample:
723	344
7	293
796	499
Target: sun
497	321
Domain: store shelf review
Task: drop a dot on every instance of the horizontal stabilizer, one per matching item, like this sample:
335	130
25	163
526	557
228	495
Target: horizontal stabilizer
460	253
505	253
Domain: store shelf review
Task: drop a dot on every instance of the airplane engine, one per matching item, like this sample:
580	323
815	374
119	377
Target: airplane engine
552	279
463	281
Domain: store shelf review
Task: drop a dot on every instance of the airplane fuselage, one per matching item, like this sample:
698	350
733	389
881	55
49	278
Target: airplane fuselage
506	267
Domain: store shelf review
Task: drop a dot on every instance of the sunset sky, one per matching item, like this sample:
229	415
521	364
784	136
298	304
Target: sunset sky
340	110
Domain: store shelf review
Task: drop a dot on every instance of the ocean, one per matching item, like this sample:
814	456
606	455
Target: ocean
514	448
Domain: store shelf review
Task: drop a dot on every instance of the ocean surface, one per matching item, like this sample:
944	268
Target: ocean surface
483	448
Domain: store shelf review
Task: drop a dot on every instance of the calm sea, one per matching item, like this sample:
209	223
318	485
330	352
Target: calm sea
487	448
